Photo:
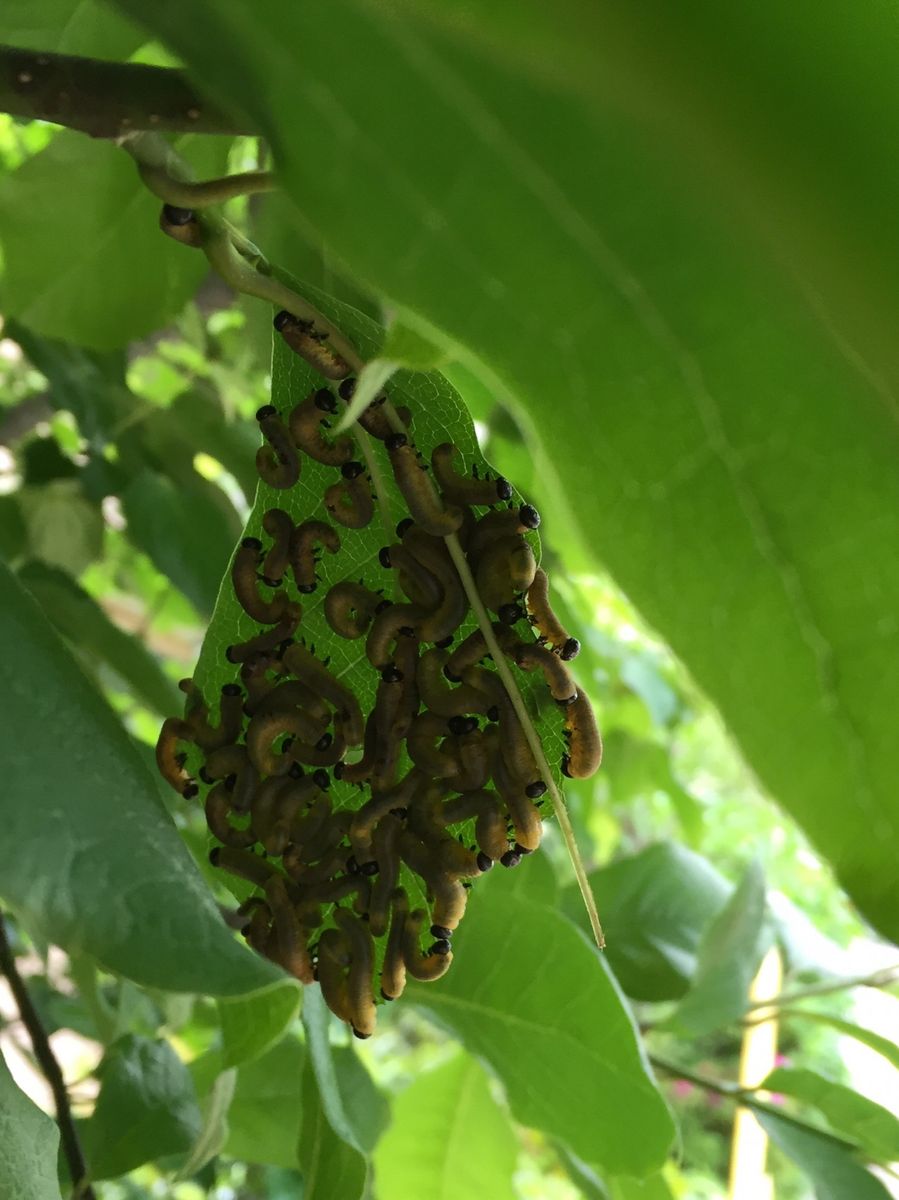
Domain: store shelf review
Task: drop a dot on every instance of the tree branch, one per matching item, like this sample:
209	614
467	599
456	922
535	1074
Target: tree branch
44	1054
106	99
882	978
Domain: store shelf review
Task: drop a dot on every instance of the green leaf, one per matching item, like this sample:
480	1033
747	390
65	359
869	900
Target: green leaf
874	1128
252	1024
727	960
448	1138
13	535
868	1037
88	855
341	1117
655	1187
213	1134
147	1107
68	27
667	241
183	531
367	1108
655	907
64	528
264	1117
409	347
29	1142
79	618
830	1166
84	259
531	996
331	1166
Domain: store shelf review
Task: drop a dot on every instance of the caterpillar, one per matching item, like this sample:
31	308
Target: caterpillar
392	622
301	553
373	419
490	824
182	225
501	524
442	621
217	809
422	967
584	741
279	526
459	489
350	501
350	609
277	462
174	731
505	569
417	490
302	663
361	1003
437	696
331	967
290	942
232	764
385	848
246	585
303	338
419	585
269	639
242	863
558	678
421	743
547	624
393	971
264	728
306	422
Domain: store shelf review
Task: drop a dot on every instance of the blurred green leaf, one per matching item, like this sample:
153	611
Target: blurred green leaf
64	528
264	1117
84	259
868	1037
531	996
88	856
449	1137
13	534
712	407
873	1127
831	1167
42	461
215	1109
408	347
367	1108
653	1188
331	1166
79	618
68	27
331	1083
727	959
147	1107
655	907
29	1141
183	531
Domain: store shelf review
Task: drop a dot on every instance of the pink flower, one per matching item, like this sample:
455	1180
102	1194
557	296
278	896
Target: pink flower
682	1088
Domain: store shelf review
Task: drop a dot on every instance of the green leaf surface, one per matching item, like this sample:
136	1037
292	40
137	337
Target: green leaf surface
13	535
366	1107
530	995
714	408
213	1135
448	1138
88	855
147	1107
873	1127
252	1024
331	1166
332	1082
81	620
831	1167
264	1117
84	259
68	27
183	531
64	528
29	1141
868	1037
655	907
727	959
410	348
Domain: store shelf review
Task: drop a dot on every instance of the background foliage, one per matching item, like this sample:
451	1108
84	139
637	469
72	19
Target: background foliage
660	279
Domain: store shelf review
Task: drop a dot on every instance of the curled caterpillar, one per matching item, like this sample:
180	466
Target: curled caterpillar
350	609
393	972
218	810
269	639
242	863
547	624
182	225
302	663
584	741
493	525
460	489
311	344
279	526
301	552
168	758
350	501
392	622
306	423
361	1003
246	585
558	678
505	569
422	967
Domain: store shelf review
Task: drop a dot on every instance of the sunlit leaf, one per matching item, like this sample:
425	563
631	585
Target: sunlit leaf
831	1167
29	1141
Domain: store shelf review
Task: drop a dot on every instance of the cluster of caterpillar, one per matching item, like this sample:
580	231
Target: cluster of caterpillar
441	748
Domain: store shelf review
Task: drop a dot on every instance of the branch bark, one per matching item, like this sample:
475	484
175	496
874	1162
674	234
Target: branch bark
43	1052
106	99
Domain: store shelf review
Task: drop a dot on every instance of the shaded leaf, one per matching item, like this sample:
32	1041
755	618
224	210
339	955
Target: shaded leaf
215	1109
64	528
331	1166
655	907
532	997
728	424
831	1167
68	27
252	1024
448	1138
341	1118
183	531
147	1107
874	1128
264	1118
13	534
29	1141
727	960
88	855
84	259
83	622
868	1037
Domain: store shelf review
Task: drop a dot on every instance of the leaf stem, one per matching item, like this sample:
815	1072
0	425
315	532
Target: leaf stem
883	977
47	1060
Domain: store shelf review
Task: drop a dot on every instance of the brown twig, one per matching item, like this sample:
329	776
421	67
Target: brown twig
106	99
47	1059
